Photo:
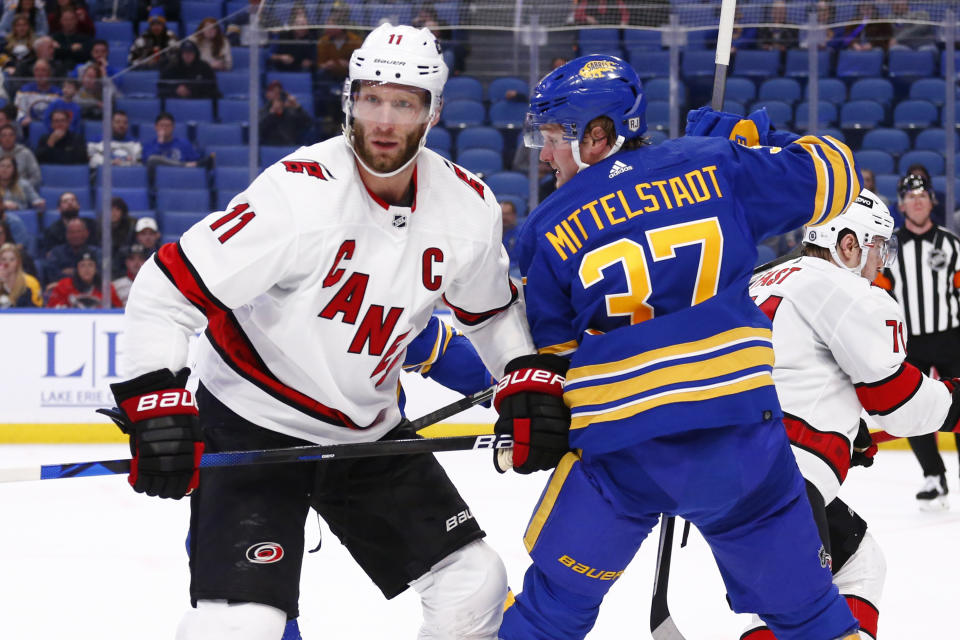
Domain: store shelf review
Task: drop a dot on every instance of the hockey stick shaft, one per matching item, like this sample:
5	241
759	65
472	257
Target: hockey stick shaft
309	453
728	10
662	626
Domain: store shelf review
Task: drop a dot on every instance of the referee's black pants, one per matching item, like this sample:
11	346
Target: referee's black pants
942	352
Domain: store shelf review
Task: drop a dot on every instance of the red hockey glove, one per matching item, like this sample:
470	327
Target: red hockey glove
529	399
863	448
161	419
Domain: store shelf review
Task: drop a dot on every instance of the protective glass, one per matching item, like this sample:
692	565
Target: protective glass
389	103
887	248
534	137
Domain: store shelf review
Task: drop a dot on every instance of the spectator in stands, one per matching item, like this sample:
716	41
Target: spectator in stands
27	165
166	149
775	36
601	12
62	146
44	48
19	45
826	15
938	213
125	151
283	122
34	97
16	229
17	194
99	57
74	46
79	8
6	235
188	76
66	102
742	37
213	46
61	260
133	258
82	290
145	51
295	50
8	114
147	234
18	289
56	232
335	45
906	32
90	94
121	232
867	34
870	184
35	16
238	26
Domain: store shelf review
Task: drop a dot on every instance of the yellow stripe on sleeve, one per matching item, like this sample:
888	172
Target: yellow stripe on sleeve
809	144
856	187
549	499
839	170
562	348
690	371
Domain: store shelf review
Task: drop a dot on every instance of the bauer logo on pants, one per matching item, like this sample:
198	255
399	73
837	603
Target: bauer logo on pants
265	553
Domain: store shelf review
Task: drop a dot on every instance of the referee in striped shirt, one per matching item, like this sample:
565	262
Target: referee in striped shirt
925	280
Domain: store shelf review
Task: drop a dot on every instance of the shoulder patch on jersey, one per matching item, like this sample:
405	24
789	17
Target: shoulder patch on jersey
308	167
461	173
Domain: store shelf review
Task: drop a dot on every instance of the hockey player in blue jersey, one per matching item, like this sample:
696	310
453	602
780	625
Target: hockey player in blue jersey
636	272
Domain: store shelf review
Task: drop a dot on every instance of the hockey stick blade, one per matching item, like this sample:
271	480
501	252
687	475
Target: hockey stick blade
662	626
308	453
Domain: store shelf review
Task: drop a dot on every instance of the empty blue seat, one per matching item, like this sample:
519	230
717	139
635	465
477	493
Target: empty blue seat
230	155
658	114
140	109
895	141
480	138
51	194
702	38
887	186
193	10
932	90
393	12
134	177
234	84
270	155
66	176
508	114
222	200
798	63
192	200
860	64
509	183
642	40
235	111
463	88
234	179
187	110
498	88
219	134
136	198
598	40
180	178
741	89
934	139
460	114
875	160
696	63
114	31
756	63
140	84
780	113
907	64
914	114
861	114
826	115
656	137
879	89
943	61
735	106
932	160
439	138
480	161
782	89
829	89
292	81
649	64
177	222
940	184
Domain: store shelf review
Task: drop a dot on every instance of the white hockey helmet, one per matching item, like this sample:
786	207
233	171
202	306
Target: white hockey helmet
396	54
870	221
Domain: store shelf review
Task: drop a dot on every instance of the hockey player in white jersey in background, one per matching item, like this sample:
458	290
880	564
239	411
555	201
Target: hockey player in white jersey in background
839	347
311	285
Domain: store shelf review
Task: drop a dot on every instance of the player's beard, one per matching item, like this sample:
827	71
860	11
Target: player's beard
386	161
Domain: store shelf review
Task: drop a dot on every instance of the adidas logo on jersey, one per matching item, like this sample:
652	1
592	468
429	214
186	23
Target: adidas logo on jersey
618	168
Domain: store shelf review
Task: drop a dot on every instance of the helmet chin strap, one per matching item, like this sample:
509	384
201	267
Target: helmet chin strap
575	149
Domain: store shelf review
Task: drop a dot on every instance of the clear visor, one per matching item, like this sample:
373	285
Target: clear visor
886	249
388	103
538	133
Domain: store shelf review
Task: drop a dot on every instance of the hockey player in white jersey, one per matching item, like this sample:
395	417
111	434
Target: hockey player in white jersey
311	285
839	348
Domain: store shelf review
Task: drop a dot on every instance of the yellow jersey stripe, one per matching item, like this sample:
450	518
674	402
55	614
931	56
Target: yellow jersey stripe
808	144
855	184
549	499
683	350
690	371
728	387
562	348
839	171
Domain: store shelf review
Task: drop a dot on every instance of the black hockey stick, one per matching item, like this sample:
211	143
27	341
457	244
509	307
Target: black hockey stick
662	626
309	453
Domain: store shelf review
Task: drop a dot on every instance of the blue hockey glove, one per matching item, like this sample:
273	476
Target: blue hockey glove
751	131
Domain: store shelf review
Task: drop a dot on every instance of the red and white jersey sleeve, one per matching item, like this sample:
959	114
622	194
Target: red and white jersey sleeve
311	288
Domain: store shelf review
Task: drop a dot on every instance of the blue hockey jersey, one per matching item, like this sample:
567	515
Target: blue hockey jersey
637	269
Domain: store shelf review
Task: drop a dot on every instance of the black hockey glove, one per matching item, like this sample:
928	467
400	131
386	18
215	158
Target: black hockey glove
160	417
952	423
529	399
863	448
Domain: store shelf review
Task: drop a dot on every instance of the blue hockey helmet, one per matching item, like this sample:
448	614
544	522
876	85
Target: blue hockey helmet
583	89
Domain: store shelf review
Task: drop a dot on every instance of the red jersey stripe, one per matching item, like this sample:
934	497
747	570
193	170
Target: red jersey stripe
830	447
468	318
888	395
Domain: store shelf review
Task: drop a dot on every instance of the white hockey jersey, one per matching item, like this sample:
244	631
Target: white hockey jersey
311	287
839	347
